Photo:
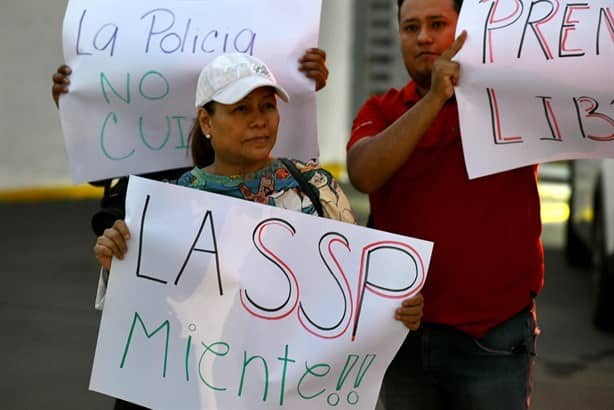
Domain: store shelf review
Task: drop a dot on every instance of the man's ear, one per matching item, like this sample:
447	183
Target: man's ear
204	119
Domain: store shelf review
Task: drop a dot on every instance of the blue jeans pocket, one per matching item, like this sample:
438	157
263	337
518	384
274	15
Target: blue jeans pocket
514	336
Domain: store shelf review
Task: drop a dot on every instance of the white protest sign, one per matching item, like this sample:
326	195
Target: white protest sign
221	303
135	65
537	82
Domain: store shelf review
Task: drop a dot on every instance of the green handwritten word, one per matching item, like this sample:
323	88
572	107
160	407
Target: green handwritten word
173	130
120	89
355	367
152	86
165	325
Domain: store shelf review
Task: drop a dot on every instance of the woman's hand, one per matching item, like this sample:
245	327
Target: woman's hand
112	243
410	312
60	82
313	64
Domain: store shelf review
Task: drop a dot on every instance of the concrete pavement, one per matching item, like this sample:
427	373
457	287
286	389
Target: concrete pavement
46	306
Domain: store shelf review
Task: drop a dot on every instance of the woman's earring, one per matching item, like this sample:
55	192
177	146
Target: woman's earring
208	136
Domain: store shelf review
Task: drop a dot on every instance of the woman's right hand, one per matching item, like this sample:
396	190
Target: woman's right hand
60	82
410	312
112	243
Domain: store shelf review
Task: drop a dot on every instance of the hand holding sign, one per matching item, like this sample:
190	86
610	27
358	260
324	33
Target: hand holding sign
61	82
445	71
410	312
112	243
313	64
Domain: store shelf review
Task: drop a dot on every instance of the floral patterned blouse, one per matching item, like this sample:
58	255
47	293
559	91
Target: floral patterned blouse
274	185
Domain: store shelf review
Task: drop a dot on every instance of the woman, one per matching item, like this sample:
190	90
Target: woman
234	134
231	142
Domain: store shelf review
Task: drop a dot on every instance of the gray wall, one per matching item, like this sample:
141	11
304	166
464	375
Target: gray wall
32	150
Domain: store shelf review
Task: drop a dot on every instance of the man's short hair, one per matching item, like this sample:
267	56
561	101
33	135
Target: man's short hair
456	3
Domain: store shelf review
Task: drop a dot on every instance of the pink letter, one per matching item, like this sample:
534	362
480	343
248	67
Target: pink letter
567	26
496	121
493	23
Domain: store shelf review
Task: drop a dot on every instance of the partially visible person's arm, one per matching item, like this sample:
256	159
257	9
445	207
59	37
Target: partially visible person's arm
372	161
60	82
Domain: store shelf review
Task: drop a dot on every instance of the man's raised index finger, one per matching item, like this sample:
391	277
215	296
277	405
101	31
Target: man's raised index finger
455	46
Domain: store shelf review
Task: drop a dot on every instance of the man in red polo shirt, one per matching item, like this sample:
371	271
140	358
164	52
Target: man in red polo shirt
476	347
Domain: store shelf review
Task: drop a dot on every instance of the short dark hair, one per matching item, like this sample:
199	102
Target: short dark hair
456	3
202	150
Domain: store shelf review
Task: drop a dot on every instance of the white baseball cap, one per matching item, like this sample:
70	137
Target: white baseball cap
230	77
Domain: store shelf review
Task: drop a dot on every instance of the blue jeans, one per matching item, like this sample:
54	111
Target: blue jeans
439	367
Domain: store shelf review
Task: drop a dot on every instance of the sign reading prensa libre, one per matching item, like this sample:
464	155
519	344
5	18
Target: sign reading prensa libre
536	82
227	304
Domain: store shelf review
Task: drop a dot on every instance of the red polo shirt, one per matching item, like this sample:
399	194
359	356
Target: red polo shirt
487	260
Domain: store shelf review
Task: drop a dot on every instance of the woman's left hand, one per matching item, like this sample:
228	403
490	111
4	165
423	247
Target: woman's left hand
313	64
410	312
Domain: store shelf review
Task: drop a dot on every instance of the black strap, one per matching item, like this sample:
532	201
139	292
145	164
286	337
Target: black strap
306	187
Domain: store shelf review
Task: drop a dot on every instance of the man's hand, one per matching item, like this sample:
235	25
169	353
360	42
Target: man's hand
445	71
60	82
313	65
